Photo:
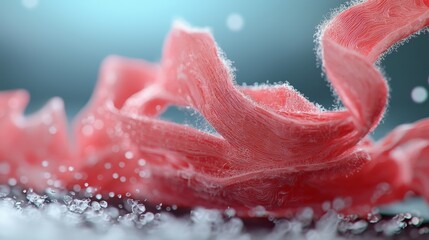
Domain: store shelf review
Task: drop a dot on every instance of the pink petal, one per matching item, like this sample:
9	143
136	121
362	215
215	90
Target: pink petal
33	148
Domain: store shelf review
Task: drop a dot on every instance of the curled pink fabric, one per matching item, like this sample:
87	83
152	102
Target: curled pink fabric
273	149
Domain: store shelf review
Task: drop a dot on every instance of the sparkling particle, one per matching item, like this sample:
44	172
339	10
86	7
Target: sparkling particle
107	165
144	174
158	207
47	175
147	218
123	179
79	206
62	168
45	163
338	204
23	179
52	130
96	206
235	22
138	208
129	155
416	221
78	176
419	94
67	199
90	190
103	204
12	182
36	199
258	211
230	212
30	4
142	162
87	130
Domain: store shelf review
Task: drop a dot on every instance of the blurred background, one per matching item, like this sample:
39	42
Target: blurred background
54	48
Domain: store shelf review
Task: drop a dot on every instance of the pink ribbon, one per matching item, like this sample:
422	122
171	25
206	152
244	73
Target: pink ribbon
273	149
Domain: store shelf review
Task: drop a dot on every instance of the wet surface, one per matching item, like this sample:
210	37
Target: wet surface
68	215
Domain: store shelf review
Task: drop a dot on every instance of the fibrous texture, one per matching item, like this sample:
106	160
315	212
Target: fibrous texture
273	149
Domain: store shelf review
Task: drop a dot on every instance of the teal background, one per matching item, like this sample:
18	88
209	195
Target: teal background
55	48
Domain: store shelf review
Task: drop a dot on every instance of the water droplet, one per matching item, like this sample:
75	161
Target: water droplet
326	206
123	179
52	130
147	218
358	227
47	175
103	204
36	199
129	155
45	163
121	164
78	176
158	207
141	162
416	221
419	94
258	211
138	208
235	22
62	168
144	174
115	175
79	206
338	204
107	165
230	212
30	4
96	206
87	130
305	215
12	182
67	199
